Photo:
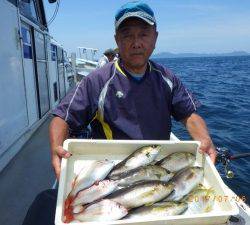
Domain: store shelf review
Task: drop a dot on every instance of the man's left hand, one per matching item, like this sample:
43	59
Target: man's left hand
197	128
207	146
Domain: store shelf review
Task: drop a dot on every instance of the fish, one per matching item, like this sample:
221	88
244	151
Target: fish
158	210
177	161
141	157
142	193
95	192
200	200
87	177
96	172
149	172
185	181
104	210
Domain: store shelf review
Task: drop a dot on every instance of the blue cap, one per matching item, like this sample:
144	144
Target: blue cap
135	9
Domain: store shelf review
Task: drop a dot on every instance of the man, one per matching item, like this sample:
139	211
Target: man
132	98
108	56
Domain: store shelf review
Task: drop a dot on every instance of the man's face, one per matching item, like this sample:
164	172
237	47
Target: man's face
136	41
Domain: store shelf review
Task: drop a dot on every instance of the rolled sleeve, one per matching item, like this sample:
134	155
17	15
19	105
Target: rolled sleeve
183	102
61	108
77	108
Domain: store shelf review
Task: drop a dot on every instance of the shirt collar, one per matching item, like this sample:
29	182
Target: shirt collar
122	70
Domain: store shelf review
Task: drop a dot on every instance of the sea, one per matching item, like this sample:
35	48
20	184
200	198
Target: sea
222	85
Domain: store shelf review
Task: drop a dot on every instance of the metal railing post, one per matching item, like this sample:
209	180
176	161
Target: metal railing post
73	63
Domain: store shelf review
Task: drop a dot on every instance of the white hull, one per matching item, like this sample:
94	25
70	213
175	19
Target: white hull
33	76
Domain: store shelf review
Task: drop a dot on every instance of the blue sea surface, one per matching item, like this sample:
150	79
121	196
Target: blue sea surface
222	85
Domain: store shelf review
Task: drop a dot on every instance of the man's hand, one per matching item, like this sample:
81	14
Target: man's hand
56	156
58	133
197	128
207	146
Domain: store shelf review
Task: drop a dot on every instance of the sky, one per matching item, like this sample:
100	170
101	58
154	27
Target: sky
184	26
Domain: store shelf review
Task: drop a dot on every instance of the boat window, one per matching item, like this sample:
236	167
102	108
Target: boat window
40	46
42	75
43	88
61	73
28	9
60	55
53	52
27	48
55	91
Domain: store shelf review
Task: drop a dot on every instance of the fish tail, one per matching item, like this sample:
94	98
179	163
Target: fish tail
68	215
68	201
68	209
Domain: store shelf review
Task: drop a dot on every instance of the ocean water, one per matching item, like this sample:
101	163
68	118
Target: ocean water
222	85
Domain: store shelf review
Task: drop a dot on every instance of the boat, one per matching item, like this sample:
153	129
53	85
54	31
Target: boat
85	61
36	74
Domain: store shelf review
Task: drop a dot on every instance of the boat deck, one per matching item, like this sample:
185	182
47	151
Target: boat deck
29	173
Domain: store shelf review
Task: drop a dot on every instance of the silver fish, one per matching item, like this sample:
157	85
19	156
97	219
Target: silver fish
149	172
158	210
200	200
185	181
143	193
87	177
96	172
177	161
141	157
94	192
104	210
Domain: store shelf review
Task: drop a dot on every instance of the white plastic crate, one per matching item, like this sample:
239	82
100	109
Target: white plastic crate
85	152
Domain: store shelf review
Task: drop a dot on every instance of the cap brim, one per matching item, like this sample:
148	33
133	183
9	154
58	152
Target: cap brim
118	23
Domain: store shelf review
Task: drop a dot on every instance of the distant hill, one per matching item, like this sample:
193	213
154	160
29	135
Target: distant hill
184	55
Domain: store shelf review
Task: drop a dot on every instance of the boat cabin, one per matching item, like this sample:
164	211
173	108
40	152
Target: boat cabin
35	73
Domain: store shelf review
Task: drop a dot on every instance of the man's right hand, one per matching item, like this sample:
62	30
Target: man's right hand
57	154
58	134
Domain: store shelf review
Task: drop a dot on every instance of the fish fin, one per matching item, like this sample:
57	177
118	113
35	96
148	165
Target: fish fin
153	162
149	204
113	177
68	217
68	212
211	189
201	186
170	197
158	176
68	201
208	209
159	162
168	171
